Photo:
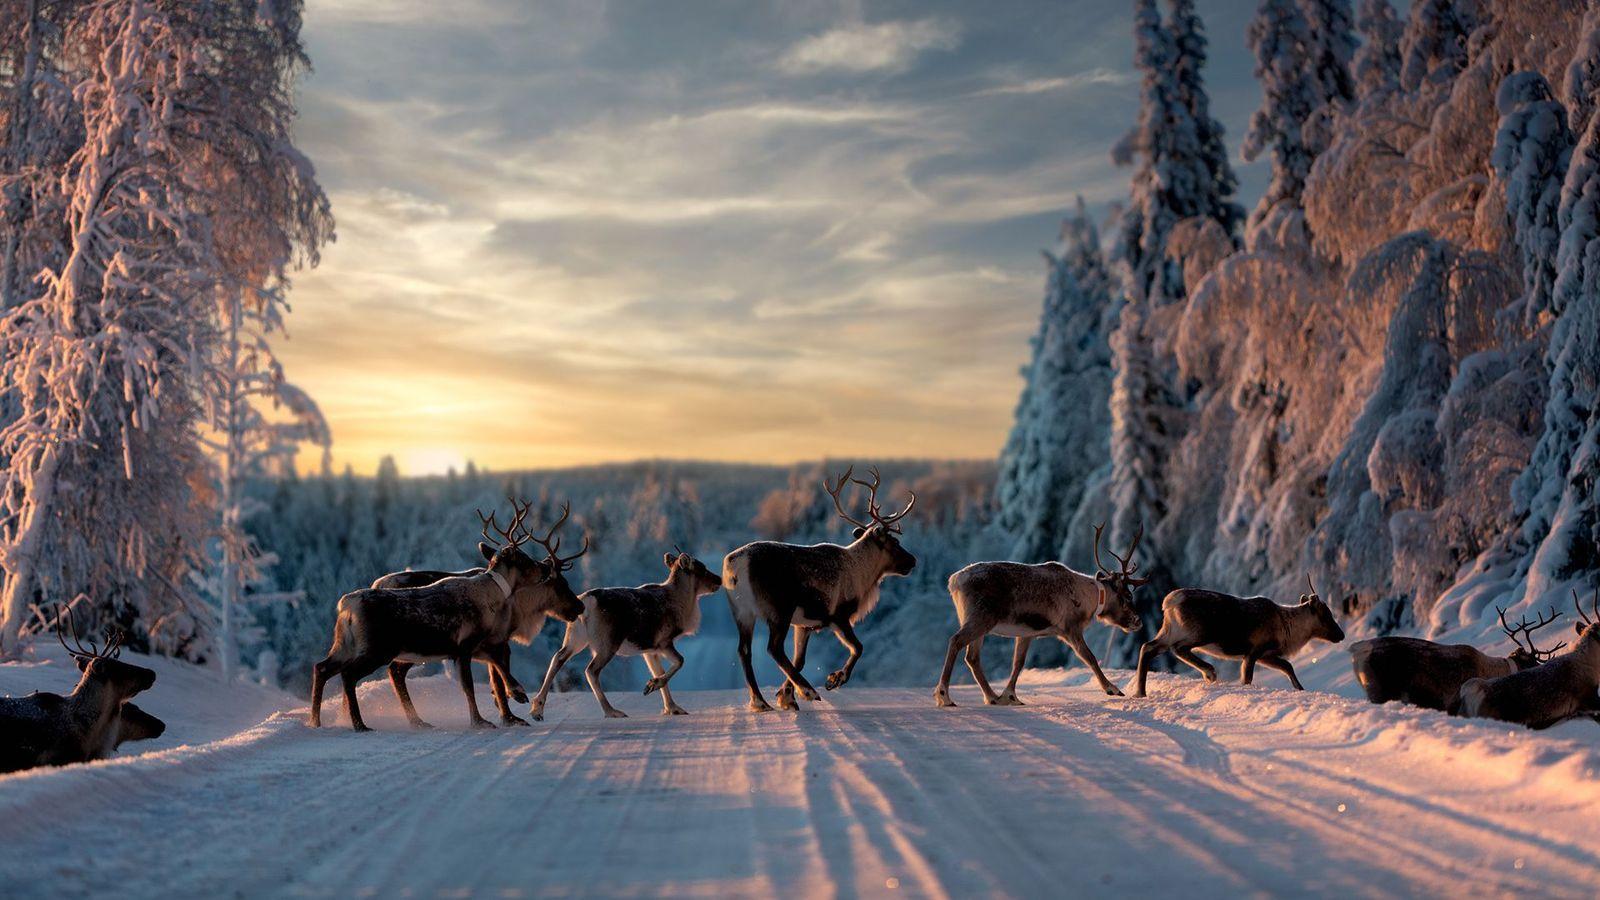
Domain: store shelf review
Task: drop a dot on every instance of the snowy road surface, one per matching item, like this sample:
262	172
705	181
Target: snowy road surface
1217	791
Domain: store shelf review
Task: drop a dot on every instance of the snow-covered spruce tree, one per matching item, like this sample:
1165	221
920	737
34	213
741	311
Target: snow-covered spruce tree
1532	150
1559	487
1291	92
1333	42
1434	46
1375	66
1189	59
258	423
1060	435
1581	83
185	184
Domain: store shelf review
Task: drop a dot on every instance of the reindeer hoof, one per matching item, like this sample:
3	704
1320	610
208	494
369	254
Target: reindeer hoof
811	694
653	685
513	720
760	706
1113	691
357	726
943	700
519	695
675	711
482	724
537	716
786	702
836	679
1008	700
313	723
421	725
616	714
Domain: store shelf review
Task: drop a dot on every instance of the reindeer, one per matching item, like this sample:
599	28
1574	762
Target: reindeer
1430	675
454	618
530	613
134	724
44	729
642	621
813	587
1024	601
1253	629
1544	695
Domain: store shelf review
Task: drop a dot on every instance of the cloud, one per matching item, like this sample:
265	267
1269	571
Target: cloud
859	47
1067	83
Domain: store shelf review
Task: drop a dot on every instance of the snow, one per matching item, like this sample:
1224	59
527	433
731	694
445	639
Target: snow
874	792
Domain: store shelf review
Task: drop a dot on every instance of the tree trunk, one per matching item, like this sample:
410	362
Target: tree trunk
19	575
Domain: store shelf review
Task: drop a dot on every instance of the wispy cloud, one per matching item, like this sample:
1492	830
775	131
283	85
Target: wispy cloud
879	47
1065	83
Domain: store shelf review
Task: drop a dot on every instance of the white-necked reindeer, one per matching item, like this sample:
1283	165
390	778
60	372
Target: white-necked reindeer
1025	601
529	613
1428	674
456	619
1252	629
641	621
1547	694
45	729
813	587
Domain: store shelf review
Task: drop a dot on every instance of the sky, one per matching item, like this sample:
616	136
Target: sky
581	231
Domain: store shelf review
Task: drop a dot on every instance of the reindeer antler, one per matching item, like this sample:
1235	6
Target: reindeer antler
112	649
874	512
508	536
1595	603
1125	564
1522	634
833	490
558	563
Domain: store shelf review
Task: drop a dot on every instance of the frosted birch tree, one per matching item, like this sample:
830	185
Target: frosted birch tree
185	184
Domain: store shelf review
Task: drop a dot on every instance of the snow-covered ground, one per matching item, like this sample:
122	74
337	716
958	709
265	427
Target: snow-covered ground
1209	789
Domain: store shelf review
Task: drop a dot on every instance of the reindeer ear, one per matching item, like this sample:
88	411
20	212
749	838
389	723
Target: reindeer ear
1103	577
82	662
1304	599
486	550
666	558
859	532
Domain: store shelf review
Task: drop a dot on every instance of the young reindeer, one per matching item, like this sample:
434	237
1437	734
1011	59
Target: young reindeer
1024	601
530	611
813	587
134	724
455	618
1252	629
1430	675
642	621
44	729
1548	694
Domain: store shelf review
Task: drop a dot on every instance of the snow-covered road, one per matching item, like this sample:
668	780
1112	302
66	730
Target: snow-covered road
1212	790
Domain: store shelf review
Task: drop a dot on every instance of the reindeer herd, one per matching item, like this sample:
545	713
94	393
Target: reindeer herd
411	617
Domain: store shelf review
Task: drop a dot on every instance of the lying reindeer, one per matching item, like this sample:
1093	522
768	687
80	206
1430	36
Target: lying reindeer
642	621
1430	675
813	587
455	618
530	619
44	729
1254	629
1545	695
1024	601
134	724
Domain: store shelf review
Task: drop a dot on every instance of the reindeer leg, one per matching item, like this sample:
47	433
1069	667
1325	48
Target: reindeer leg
1019	658
660	679
397	677
1081	648
1247	668
601	652
1282	665
464	667
669	706
968	632
352	673
1206	670
846	634
775	650
974	657
320	673
802	638
1151	649
758	703
498	660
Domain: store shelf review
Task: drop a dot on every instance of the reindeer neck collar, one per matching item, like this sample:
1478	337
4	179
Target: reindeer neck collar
505	586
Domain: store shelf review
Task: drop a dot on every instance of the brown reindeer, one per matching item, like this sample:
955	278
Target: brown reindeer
134	724
44	729
1024	601
1252	629
529	607
1428	674
455	618
813	587
642	621
1544	695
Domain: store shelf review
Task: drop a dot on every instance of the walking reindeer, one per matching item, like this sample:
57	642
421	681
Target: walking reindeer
1428	674
642	621
813	587
45	729
1023	601
529	613
1547	694
455	618
1252	629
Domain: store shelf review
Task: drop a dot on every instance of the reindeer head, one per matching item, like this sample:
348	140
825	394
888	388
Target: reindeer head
101	664
1588	629
1527	655
538	585
682	565
1116	588
1327	626
882	532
